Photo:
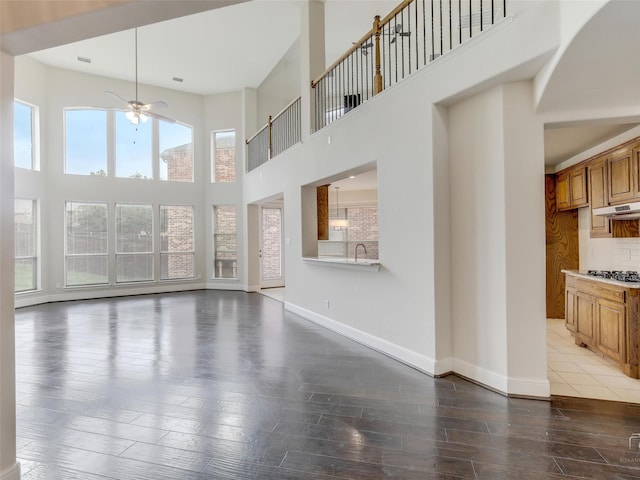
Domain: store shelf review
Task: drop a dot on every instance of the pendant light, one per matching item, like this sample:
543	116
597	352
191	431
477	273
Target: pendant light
338	222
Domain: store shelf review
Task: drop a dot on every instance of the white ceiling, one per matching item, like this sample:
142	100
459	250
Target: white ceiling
216	51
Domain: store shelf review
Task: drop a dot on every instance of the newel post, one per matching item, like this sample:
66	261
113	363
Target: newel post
377	83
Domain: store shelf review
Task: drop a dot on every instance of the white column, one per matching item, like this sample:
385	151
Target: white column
9	468
525	242
312	58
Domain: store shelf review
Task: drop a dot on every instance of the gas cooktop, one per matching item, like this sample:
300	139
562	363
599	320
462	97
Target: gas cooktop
619	275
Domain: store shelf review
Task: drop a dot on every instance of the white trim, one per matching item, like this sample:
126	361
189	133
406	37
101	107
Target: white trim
481	375
13	473
86	294
345	263
404	355
529	387
526	387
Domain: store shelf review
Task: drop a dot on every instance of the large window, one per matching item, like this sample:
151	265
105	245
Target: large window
134	243
177	246
223	147
86	142
225	242
26	244
86	244
24	137
133	148
176	152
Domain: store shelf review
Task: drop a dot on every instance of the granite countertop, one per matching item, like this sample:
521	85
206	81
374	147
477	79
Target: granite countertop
583	274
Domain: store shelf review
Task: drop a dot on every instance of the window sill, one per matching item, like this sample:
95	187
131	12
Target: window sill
344	263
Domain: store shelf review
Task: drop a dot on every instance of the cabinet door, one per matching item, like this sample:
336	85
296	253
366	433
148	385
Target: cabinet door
610	317
598	197
563	200
585	316
570	309
620	170
578	188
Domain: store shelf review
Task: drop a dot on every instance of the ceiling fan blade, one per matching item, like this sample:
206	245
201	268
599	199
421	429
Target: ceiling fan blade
117	96
393	40
158	117
158	104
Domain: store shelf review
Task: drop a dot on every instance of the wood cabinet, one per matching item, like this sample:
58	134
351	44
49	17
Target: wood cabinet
598	197
571	188
604	318
622	176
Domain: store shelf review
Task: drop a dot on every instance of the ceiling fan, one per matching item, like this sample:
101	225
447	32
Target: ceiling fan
138	111
397	31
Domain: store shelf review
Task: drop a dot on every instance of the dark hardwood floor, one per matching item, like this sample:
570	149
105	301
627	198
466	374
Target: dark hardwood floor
226	385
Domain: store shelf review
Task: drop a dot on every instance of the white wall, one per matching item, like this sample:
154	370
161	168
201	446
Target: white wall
9	469
64	88
397	309
281	86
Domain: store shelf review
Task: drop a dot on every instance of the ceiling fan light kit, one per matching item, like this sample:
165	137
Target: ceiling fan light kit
136	110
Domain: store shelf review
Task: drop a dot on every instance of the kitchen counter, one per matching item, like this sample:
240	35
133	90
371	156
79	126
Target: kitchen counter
346	263
583	274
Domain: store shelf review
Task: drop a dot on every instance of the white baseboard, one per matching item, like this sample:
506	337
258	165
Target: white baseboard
404	355
535	388
13	473
519	387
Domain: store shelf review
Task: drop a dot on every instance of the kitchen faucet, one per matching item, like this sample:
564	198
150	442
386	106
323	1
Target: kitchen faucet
360	245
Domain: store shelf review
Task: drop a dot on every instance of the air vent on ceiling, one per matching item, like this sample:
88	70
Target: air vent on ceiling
84	59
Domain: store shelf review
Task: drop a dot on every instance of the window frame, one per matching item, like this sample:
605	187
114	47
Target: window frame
35	212
108	141
67	255
214	149
35	135
167	253
118	254
216	267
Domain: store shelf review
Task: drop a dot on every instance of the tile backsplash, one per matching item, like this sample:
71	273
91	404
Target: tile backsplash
606	253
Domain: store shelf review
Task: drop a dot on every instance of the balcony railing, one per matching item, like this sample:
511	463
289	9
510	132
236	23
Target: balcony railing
281	133
414	34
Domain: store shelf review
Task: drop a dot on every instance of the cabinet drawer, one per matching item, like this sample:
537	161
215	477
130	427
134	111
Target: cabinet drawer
601	290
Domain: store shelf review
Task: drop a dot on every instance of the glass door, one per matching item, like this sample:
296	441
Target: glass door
271	257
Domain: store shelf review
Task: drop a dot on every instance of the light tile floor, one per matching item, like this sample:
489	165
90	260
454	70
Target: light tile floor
275	293
577	372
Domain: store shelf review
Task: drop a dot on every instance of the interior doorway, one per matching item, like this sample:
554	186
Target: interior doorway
271	242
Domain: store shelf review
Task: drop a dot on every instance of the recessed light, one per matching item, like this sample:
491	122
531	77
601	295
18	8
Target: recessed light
352	176
178	79
84	59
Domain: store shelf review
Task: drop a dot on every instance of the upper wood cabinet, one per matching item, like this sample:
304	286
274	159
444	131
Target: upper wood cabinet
622	168
571	188
598	197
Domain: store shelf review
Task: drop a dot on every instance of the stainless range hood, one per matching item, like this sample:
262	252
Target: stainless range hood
627	211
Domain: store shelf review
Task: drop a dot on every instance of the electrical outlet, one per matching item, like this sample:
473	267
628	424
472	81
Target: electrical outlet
327	305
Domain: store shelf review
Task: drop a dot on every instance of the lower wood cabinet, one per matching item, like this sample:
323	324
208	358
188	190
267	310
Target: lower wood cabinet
604	318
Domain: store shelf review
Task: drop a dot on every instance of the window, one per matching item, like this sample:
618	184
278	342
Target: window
26	245
176	242
86	142
176	152
24	126
134	243
225	242
86	244
133	148
223	147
